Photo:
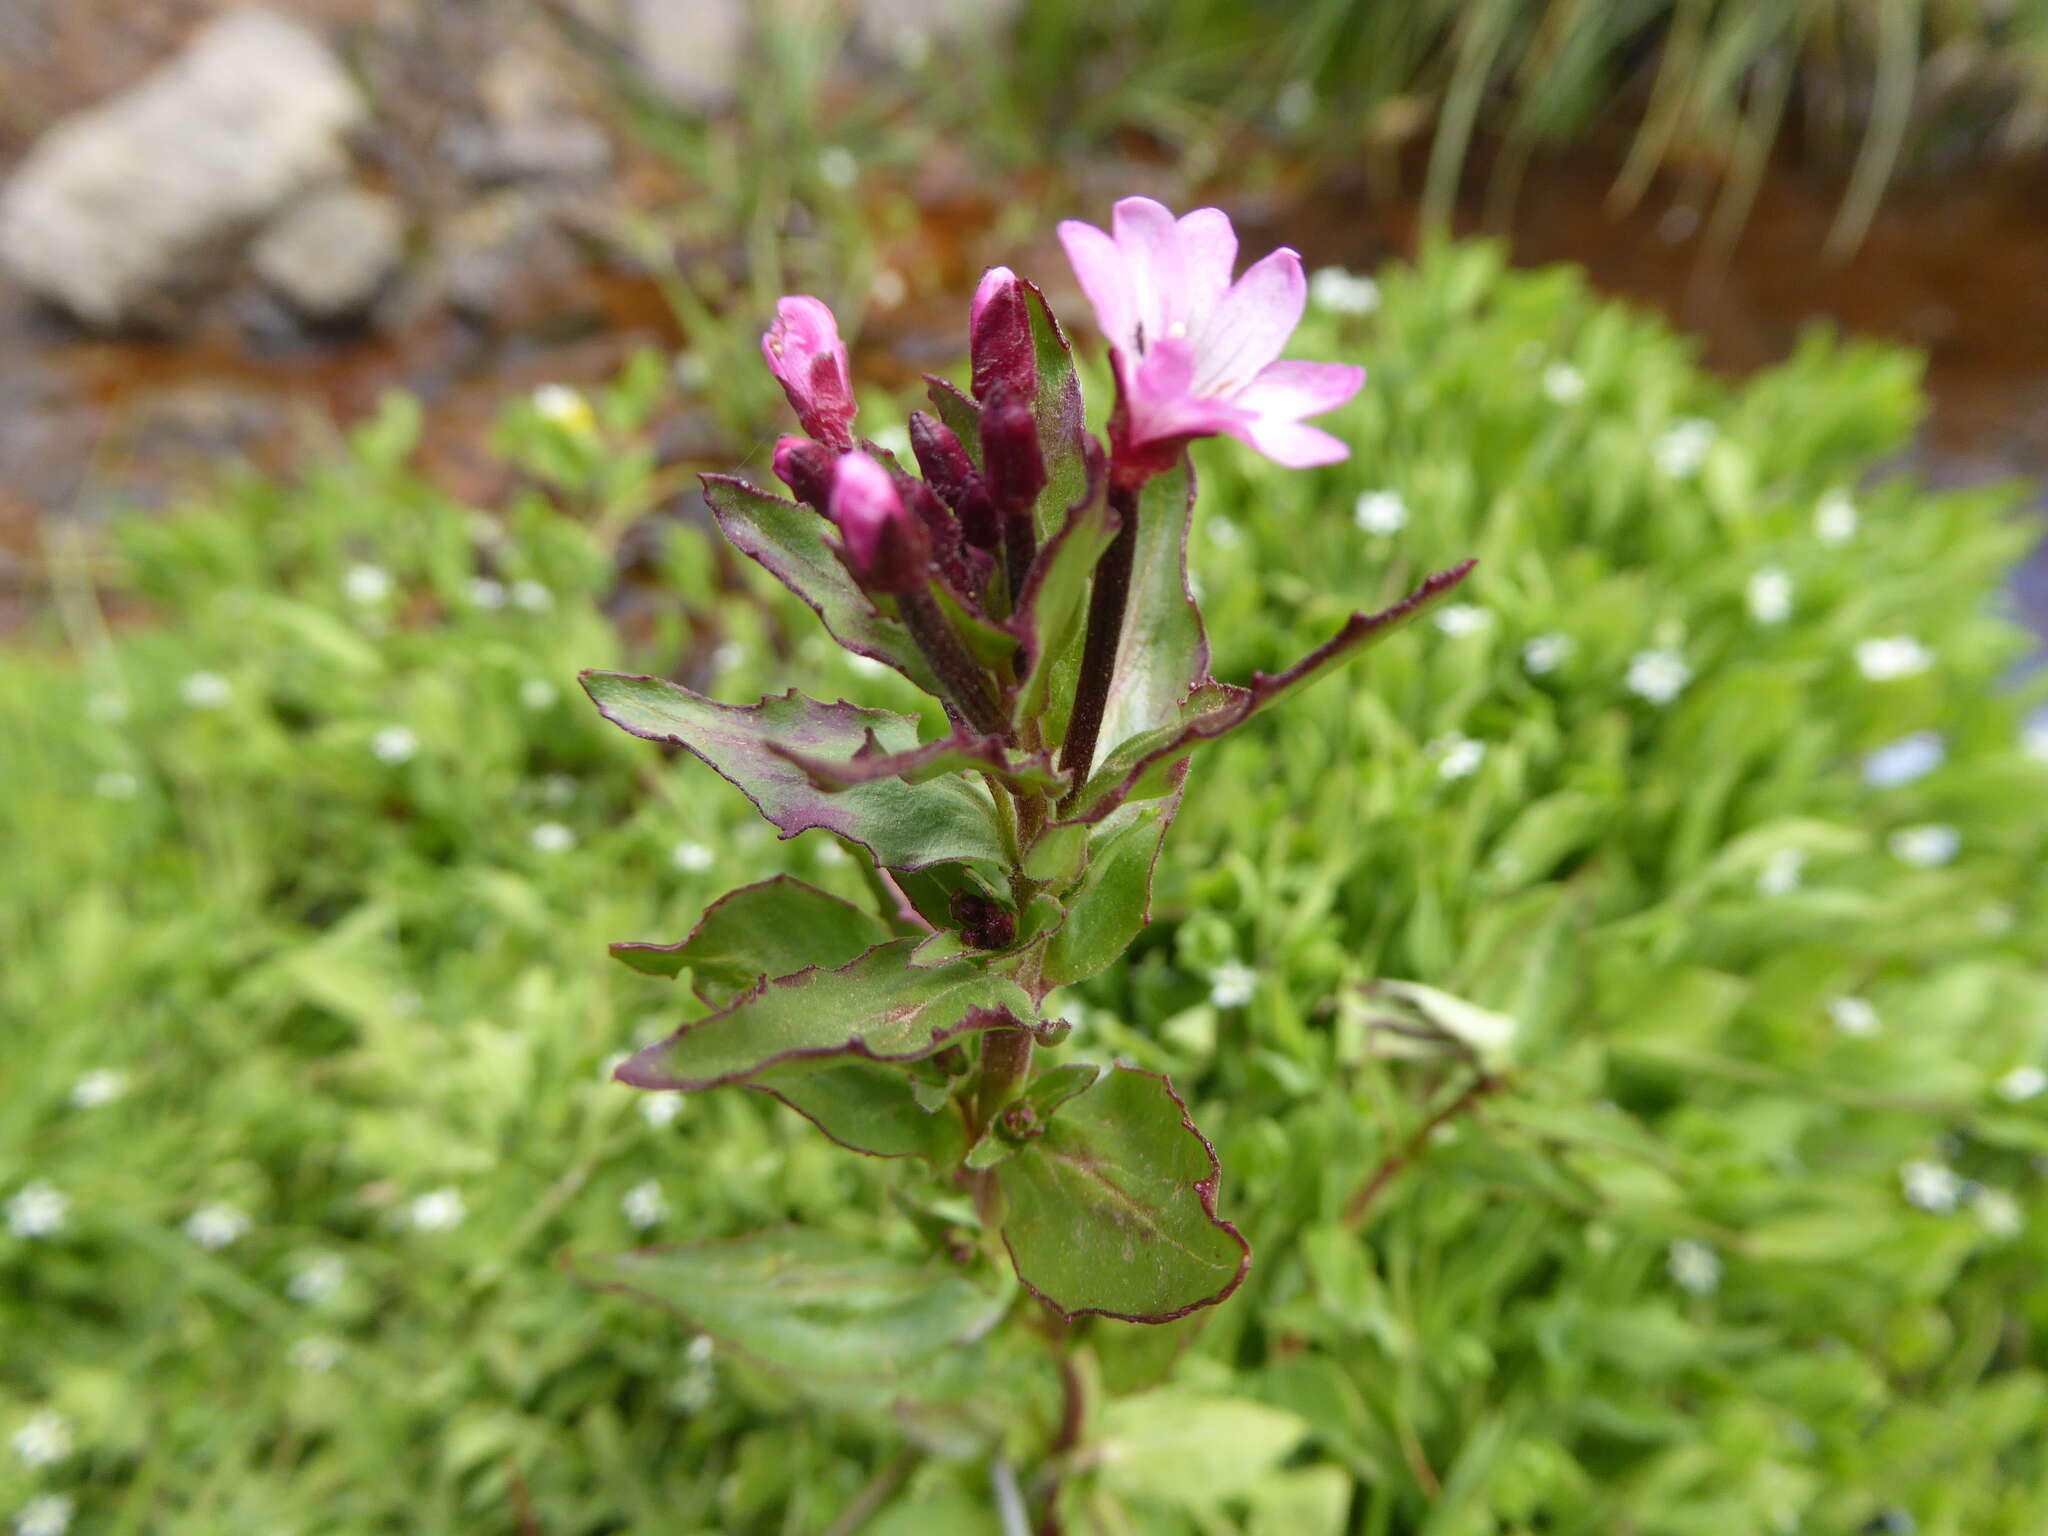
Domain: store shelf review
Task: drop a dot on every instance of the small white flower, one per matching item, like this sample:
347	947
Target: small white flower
1926	847
317	1279
866	666
1294	105
557	789
214	1227
1544	654
693	1389
693	371
486	592
552	837
727	655
537	694
1835	519
116	784
1380	513
1909	758
828	852
106	708
692	858
2022	1083
440	1210
44	1440
560	406
38	1209
1658	676
644	1205
102	1086
1693	1266
1457	756
2034	740
1223	533
1461	619
1683	448
317	1354
894	440
1232	984
204	690
1933	1187
366	585
1886	658
1854	1016
1770	595
394	744
888	288
2000	1213
532	596
47	1514
660	1109
1563	384
837	167
1781	873
1338	292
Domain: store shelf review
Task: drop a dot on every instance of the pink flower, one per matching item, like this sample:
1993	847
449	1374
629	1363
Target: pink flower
886	546
1197	354
808	359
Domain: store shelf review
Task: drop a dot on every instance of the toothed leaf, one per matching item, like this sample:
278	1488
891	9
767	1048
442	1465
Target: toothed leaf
771	929
871	1108
1163	653
1114	900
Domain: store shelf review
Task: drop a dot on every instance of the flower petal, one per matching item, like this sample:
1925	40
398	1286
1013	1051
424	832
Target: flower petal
1149	242
1160	403
1099	267
1251	323
1290	443
1293	388
1208	247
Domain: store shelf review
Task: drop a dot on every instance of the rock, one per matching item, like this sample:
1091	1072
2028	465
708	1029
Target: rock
908	30
120	209
330	254
504	261
693	53
531	126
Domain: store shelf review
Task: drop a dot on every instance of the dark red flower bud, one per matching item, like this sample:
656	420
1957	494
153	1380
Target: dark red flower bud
1012	463
952	474
887	547
966	570
984	924
1000	329
807	469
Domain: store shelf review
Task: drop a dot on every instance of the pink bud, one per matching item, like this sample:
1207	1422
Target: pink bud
808	359
1000	328
807	469
886	545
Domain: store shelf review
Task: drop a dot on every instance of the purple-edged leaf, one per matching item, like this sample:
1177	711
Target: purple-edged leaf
957	410
902	825
1114	900
1147	764
1112	1206
1163	653
870	1108
1058	409
961	752
811	1303
1048	622
879	1008
791	541
774	928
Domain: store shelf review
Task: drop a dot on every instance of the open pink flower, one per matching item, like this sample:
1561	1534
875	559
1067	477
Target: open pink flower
1197	354
808	359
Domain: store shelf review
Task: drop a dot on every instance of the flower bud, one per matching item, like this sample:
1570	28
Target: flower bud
1012	463
887	548
1001	343
807	469
952	474
808	359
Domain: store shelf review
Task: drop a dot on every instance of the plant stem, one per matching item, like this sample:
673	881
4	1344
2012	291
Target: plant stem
1106	604
1005	1064
965	681
1394	1162
871	1498
1010	1510
1020	549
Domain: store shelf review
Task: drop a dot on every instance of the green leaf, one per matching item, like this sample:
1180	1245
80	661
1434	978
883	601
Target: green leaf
1048	621
961	752
871	1108
902	825
789	539
810	1302
771	929
1143	764
1112	1208
1163	654
1059	412
1114	901
879	1008
958	411
1193	1451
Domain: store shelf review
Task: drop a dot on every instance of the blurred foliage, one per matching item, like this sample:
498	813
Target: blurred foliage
322	854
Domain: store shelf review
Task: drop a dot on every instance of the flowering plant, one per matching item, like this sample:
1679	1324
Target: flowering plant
1033	581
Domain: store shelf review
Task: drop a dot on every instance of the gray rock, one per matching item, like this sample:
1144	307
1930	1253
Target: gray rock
693	53
908	30
121	209
329	254
531	126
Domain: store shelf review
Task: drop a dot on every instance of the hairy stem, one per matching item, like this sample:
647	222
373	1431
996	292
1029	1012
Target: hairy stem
1394	1162
1106	604
965	681
1005	1064
1020	549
